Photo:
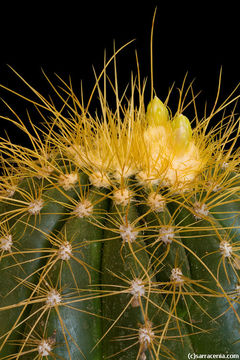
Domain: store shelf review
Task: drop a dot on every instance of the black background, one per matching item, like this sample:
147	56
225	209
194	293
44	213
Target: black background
68	38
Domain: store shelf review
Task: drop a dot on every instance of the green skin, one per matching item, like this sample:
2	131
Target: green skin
132	317
222	335
229	219
83	317
173	254
87	320
30	239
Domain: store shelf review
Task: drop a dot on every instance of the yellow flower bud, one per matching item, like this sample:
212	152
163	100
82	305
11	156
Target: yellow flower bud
182	133
157	113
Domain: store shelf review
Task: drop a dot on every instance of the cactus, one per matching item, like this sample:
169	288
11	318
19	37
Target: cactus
119	234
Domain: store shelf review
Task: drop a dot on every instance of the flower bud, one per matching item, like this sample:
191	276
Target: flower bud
157	113
182	132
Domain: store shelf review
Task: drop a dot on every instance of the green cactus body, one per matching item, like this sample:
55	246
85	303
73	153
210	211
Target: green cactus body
119	235
217	274
166	246
76	270
29	231
138	305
